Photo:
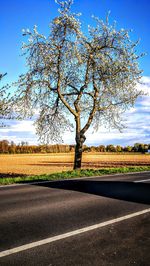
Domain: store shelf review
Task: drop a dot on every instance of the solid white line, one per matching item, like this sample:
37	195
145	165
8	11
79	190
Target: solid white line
139	181
69	234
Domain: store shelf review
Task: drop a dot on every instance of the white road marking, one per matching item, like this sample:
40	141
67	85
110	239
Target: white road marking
140	181
69	234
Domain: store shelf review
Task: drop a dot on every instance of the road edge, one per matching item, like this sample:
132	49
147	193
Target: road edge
70	179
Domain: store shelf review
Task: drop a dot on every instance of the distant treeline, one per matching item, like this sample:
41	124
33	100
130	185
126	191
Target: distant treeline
7	147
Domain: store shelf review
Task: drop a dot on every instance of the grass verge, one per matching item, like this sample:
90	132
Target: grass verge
72	174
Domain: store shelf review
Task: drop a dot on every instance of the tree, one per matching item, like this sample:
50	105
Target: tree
138	147
102	148
2	91
1	76
111	148
4	109
128	149
119	148
4	146
91	78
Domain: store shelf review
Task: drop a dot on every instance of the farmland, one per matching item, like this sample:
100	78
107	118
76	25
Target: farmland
36	164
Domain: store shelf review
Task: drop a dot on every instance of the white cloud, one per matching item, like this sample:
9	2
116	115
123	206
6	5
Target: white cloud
137	122
145	101
20	126
144	85
146	80
18	131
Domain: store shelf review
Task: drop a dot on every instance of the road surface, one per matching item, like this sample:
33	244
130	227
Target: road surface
94	221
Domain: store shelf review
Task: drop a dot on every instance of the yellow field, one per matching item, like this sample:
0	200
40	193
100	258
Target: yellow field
30	164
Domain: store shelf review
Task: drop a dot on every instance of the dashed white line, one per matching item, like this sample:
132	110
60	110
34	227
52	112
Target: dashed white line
69	234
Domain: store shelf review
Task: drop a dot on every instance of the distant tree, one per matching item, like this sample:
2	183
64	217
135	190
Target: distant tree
4	144
12	147
136	147
110	148
22	143
102	148
128	149
119	148
141	148
145	147
91	78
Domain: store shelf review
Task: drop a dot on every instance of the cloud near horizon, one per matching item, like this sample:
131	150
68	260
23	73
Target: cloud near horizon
137	126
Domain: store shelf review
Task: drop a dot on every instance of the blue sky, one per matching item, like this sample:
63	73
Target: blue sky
134	14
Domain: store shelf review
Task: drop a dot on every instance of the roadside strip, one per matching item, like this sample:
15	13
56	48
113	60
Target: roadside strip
70	234
77	178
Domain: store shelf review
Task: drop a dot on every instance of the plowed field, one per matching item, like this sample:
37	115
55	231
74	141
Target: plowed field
29	164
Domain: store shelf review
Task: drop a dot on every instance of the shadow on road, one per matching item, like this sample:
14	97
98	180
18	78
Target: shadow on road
128	191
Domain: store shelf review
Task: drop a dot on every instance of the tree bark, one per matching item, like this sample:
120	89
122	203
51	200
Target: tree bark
78	151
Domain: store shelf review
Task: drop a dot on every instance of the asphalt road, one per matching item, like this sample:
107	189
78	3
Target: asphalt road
34	212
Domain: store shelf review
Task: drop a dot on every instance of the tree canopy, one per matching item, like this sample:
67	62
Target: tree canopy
3	100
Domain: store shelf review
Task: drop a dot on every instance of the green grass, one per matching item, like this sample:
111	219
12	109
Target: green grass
72	174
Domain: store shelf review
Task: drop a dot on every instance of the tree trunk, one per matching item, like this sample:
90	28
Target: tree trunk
78	151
